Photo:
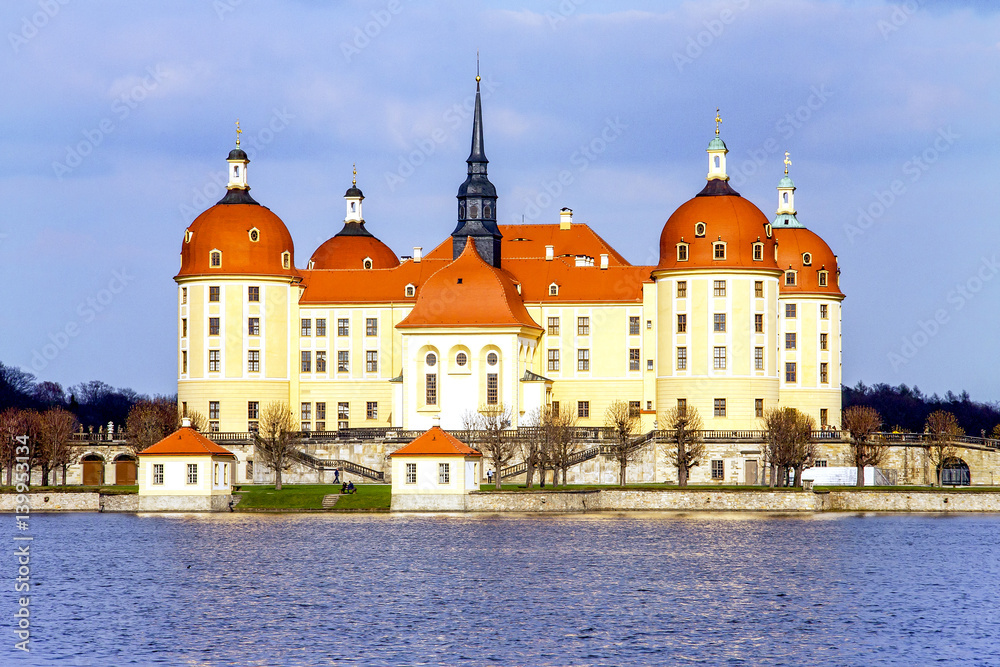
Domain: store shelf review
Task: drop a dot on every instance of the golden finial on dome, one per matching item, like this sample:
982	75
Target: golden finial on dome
238	131
354	181
718	119
787	162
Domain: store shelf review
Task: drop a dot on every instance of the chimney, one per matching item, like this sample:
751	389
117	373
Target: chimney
565	218
186	422
550	252
417	253
604	262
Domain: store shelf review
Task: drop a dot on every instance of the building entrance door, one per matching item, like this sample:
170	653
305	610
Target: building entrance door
750	472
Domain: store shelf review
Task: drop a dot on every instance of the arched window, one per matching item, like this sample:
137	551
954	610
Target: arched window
553	290
718	162
955	472
286	260
410	290
487	211
784	197
354	206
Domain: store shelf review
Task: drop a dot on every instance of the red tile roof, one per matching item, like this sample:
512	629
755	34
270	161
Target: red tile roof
436	442
529	241
186	442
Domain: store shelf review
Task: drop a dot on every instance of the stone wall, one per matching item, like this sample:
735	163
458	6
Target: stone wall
90	501
218	503
919	501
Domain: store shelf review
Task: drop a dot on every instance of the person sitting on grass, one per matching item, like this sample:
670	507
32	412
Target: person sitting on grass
350	488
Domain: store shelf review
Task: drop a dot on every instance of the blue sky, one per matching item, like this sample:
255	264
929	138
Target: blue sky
117	118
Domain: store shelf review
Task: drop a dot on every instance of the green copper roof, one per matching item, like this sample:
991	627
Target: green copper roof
783	220
717	144
786	182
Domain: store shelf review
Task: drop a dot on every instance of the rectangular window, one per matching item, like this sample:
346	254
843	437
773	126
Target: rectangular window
444	473
321	411
213	293
492	389
253	326
555	407
213	427
789	341
213	326
213	409
790	372
371	326
682	358
192	476
157	473
758	407
820	463
649	364
411	473
371	361
682	406
343	415
682	289
682	323
758	323
583	408
253	293
307	326
214	361
583	360
822	341
184	328
790	278
253	361
184	361
553	326
634	408
718	469
343	361
633	326
720	250
371	410
823	311
583	326
553	360
758	358
790	310
719	407
719	288
253	410
822	278
719	358
306	361
682	252
343	327
633	359
306	411
320	361
320	326
824	373
758	252
758	289
184	295
719	322
823	413
431	389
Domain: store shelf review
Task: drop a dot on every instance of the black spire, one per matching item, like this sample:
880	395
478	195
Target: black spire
477	199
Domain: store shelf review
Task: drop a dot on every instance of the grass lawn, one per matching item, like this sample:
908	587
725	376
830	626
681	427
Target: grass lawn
632	487
310	497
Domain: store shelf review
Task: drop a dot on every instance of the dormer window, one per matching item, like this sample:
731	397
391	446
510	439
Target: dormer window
286	260
768	229
367	263
790	280
823	279
410	290
682	252
758	252
807	259
215	259
699	228
187	235
254	235
719	250
553	290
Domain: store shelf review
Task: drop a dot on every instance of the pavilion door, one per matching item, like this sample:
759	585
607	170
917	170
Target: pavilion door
93	473
125	472
750	472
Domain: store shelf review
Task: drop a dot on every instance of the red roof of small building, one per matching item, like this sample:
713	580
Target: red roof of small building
186	441
350	252
436	442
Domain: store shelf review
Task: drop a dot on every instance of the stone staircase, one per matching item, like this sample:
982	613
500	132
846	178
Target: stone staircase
330	500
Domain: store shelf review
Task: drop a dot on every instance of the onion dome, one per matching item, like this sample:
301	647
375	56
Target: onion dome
469	292
237	235
717	228
353	247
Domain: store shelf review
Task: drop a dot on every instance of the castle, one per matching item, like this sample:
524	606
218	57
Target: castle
742	313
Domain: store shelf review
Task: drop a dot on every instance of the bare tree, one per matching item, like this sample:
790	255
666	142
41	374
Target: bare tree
561	440
531	440
56	427
13	423
624	422
148	422
497	443
996	432
779	433
274	441
942	428
802	451
685	446
866	449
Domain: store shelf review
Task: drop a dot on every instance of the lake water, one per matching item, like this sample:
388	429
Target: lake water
637	589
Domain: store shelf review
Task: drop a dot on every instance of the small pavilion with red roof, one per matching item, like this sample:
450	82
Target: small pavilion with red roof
185	472
435	472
